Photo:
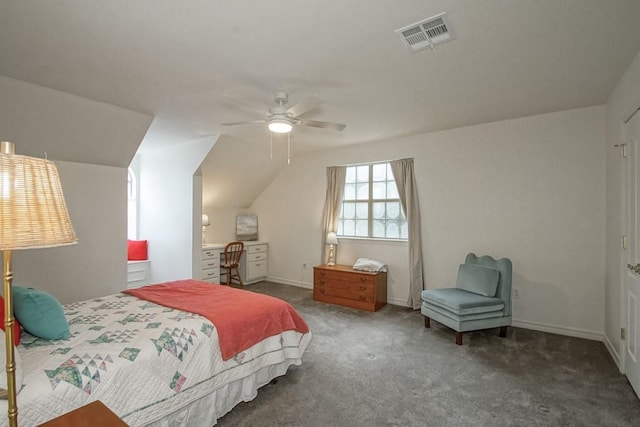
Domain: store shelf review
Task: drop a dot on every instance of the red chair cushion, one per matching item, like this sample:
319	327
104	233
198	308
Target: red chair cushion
137	250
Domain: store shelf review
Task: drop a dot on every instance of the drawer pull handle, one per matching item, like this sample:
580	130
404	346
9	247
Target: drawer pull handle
322	282
363	279
322	273
258	265
322	291
362	297
363	288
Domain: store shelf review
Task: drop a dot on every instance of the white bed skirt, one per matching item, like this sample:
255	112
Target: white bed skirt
206	410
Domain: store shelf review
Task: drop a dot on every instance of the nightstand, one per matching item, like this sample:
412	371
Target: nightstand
94	414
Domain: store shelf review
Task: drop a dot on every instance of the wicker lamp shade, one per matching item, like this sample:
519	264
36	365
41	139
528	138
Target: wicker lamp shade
33	214
32	207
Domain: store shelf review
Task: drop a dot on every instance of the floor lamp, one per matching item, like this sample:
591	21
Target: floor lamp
34	215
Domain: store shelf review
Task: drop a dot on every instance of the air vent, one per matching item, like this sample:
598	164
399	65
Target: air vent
428	33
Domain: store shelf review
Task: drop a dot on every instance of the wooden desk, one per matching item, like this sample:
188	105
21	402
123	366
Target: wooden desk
253	263
341	284
95	414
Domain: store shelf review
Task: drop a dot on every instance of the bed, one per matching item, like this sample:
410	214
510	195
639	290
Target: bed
155	365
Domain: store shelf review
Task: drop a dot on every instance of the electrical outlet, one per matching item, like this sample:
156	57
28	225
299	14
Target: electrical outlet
516	293
304	264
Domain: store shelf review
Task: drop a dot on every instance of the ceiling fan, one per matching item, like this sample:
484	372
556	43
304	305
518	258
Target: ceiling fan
281	119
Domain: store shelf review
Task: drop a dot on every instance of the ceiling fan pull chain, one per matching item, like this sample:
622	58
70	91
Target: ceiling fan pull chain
289	148
271	145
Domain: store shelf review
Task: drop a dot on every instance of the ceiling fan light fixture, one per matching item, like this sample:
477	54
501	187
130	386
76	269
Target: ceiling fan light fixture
280	126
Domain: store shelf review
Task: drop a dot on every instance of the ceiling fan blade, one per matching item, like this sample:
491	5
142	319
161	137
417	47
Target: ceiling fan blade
323	125
246	107
308	104
243	123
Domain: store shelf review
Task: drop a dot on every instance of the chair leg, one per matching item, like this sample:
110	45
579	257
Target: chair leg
229	277
503	331
427	322
459	338
239	278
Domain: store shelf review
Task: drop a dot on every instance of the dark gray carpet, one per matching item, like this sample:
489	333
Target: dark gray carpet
385	368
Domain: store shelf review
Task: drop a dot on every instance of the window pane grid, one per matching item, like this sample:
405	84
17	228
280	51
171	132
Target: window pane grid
371	206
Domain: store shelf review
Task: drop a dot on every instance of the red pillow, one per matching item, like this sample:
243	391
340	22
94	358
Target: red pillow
137	250
16	325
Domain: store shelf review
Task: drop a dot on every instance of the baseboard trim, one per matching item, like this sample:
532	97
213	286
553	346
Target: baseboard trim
536	326
400	302
290	282
560	330
612	351
305	285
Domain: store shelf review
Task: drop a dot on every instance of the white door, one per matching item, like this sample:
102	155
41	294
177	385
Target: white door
631	296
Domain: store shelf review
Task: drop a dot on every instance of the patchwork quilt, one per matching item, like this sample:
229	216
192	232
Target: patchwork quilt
140	359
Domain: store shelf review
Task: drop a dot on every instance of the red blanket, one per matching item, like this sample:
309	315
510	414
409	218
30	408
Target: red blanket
242	318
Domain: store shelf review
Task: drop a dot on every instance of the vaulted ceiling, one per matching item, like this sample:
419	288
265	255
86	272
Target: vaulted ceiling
181	61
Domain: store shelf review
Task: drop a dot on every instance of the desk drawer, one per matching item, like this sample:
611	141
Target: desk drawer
253	249
213	263
211	275
257	256
211	254
256	269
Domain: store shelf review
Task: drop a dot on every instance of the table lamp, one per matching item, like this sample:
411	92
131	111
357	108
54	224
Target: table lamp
34	215
205	224
332	240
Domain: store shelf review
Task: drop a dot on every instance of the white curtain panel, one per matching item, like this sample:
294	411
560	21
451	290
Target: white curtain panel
332	203
408	190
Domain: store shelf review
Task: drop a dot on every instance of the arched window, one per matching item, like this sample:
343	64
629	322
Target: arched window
132	205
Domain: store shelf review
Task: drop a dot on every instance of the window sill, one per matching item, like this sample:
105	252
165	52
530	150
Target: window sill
373	240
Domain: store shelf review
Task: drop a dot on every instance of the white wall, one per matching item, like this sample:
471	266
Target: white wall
531	189
223	223
169	218
78	134
96	266
624	98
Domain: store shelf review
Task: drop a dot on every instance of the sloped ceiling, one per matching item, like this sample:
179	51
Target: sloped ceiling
47	123
178	60
237	171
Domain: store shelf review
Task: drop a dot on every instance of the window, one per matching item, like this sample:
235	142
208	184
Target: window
370	205
132	206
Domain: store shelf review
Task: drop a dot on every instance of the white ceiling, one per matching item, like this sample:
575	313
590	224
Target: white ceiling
177	60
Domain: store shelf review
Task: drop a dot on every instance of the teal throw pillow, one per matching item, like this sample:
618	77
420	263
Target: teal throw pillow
40	313
479	279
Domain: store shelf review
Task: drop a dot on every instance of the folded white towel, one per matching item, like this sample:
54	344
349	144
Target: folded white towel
365	264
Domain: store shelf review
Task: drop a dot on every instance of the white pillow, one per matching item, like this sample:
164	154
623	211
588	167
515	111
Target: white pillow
3	366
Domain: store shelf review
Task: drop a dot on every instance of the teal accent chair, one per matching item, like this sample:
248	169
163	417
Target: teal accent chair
480	300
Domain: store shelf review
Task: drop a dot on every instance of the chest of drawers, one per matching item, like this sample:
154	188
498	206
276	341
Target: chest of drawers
138	273
256	262
211	265
341	284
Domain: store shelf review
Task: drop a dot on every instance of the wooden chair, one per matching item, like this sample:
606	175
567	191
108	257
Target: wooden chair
232	254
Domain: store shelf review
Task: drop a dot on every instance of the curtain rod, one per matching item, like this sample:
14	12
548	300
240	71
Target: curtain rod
373	163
